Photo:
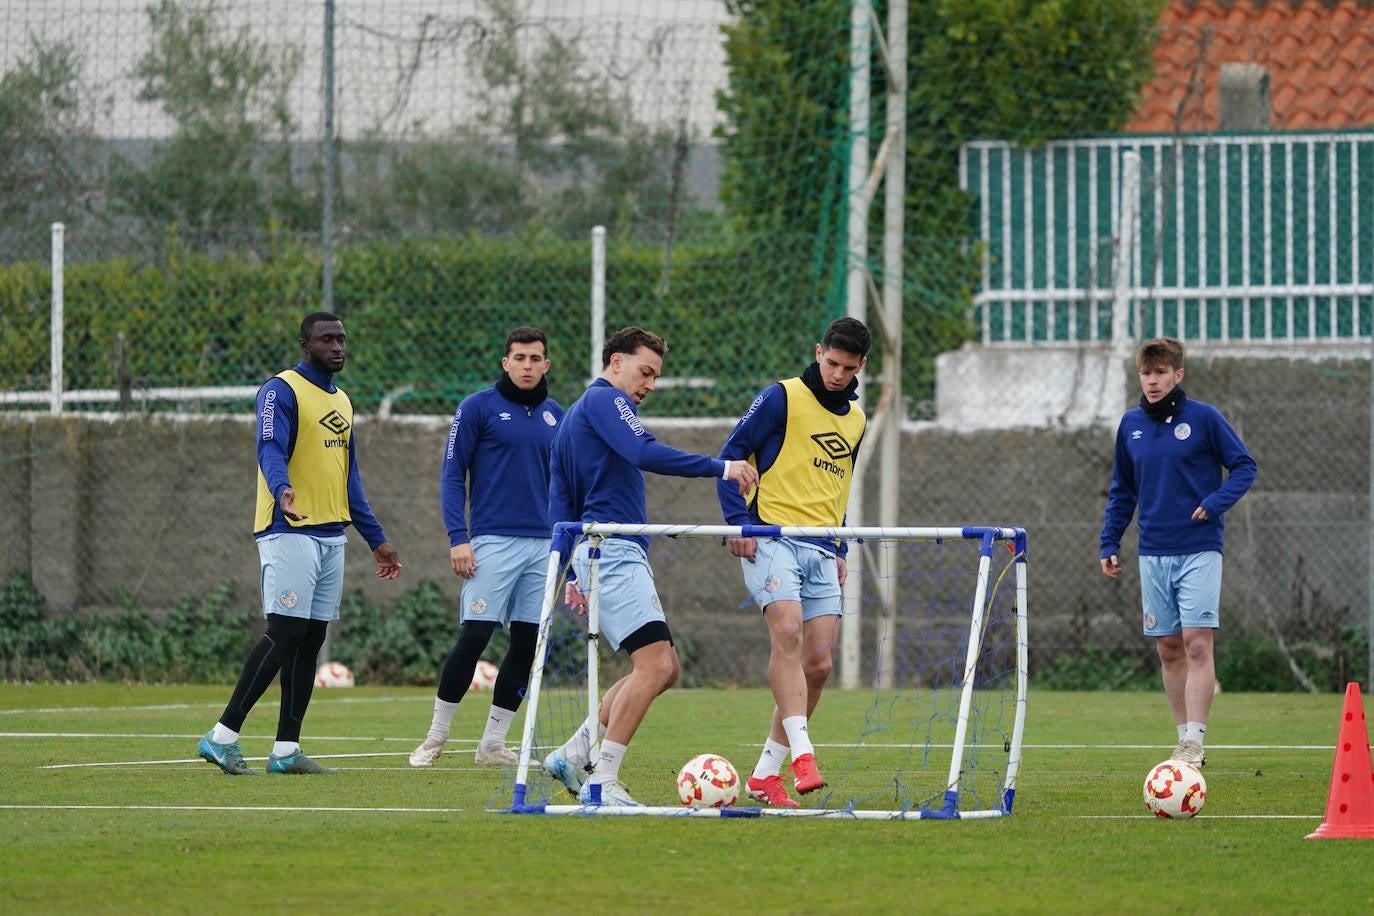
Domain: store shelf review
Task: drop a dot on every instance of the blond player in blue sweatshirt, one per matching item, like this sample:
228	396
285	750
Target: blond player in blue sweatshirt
1170	454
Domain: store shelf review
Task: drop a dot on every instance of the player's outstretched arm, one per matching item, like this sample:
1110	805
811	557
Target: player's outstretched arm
743	473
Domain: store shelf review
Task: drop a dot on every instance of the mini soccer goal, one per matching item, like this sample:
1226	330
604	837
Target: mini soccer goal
941	614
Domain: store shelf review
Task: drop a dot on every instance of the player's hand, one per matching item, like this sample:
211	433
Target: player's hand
1199	514
1111	567
388	561
463	560
744	548
573	598
288	506
841	569
743	473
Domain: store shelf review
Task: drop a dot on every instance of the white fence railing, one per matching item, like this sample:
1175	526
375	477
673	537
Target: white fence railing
1249	240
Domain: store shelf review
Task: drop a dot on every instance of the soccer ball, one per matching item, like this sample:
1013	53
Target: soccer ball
1175	789
333	674
483	676
708	781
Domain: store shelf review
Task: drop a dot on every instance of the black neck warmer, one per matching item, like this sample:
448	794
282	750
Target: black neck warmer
513	392
1165	407
837	402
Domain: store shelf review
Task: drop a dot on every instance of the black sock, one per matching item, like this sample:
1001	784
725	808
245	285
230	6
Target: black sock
514	676
456	676
259	670
298	679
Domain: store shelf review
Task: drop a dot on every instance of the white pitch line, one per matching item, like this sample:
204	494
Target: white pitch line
1207	817
225	808
139	763
461	744
457	743
395	810
50	710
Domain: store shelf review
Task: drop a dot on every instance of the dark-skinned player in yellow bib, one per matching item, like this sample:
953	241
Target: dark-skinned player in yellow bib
309	492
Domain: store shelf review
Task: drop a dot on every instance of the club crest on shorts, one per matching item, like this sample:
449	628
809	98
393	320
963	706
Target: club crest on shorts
478	605
772	583
1150	621
288	599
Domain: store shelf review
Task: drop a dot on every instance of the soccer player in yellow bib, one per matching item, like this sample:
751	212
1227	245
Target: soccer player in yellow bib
802	434
309	492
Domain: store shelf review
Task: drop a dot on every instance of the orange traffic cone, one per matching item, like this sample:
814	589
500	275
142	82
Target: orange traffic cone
1350	803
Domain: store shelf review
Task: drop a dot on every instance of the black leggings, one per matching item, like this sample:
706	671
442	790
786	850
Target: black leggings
290	646
456	676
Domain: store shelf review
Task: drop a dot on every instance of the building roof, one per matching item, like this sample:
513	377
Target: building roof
1319	56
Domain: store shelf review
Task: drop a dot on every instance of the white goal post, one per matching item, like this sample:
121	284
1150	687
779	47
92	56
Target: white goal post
942	737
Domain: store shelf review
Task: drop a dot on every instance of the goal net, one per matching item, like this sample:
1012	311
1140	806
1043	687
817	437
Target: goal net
935	733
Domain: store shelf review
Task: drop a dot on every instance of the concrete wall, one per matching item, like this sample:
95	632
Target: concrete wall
162	508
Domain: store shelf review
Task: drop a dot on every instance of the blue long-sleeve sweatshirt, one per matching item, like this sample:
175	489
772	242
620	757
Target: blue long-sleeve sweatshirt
277	439
599	458
1166	469
498	457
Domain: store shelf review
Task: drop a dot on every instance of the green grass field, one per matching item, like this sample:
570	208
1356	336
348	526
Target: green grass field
104	808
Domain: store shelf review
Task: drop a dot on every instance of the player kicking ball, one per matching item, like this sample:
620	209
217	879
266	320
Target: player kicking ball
802	434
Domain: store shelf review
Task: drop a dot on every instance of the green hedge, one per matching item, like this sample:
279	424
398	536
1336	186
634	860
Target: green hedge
426	318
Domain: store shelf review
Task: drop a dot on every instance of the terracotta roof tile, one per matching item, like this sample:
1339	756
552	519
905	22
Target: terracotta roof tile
1319	54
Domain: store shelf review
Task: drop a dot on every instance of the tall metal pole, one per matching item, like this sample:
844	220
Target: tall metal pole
329	153
894	224
856	301
598	325
55	331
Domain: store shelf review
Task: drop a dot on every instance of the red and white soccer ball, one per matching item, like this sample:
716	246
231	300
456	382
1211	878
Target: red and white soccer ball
708	781
483	676
1175	789
333	674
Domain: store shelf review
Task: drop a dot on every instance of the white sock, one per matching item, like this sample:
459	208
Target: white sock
285	748
1182	731
797	737
443	718
771	760
498	723
1196	732
578	748
608	764
223	734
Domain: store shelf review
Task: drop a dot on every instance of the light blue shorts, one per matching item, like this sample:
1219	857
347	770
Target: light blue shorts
302	576
791	570
509	582
624	584
1180	591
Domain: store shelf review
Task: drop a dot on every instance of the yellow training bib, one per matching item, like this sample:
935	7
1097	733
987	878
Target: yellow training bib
318	465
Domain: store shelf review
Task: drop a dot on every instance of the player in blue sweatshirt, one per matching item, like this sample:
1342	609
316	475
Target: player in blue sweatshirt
497	463
309	491
599	458
1170	454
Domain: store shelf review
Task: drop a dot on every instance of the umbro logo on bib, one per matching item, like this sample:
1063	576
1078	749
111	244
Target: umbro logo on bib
833	444
334	422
